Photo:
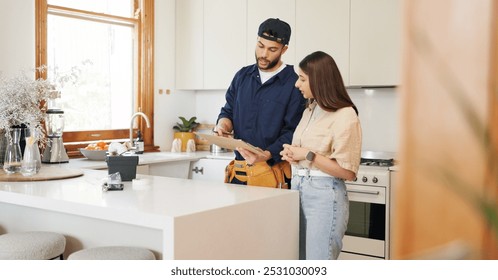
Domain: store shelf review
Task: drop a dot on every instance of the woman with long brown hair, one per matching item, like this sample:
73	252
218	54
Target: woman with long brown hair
325	151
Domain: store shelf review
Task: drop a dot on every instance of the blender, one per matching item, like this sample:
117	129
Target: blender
54	122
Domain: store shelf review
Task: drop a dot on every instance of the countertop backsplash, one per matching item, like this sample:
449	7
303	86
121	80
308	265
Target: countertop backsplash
208	105
378	107
379	116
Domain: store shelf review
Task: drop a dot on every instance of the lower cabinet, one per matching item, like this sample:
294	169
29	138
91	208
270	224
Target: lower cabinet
143	169
208	169
174	169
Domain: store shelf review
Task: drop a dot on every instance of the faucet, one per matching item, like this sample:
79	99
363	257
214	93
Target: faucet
132	147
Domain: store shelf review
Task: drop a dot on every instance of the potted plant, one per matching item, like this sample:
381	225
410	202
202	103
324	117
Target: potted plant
185	130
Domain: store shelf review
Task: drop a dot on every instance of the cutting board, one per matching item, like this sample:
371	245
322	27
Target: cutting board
45	174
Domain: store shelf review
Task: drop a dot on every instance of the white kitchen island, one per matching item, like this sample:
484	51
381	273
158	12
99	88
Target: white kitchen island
175	218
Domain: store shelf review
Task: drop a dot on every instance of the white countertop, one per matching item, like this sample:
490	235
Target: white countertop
146	158
394	167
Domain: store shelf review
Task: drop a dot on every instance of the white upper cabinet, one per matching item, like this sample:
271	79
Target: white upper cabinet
259	11
215	38
323	25
210	42
189	44
224	41
375	50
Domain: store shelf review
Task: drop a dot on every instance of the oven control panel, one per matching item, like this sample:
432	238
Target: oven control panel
371	177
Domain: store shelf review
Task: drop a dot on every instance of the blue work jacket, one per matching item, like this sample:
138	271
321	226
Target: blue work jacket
264	115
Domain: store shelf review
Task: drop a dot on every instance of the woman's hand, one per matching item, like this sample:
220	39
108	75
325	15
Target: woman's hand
293	154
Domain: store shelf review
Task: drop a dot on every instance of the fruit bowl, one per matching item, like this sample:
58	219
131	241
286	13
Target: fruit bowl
94	154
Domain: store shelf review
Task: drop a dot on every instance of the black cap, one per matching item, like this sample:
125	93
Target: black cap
276	30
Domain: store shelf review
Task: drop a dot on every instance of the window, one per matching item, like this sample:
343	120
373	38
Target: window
110	44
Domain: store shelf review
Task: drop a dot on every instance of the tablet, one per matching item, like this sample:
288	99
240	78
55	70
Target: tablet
230	143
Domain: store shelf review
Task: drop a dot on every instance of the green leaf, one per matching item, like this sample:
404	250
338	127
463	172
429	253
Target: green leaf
186	125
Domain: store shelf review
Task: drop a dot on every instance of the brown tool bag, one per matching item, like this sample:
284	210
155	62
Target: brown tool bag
259	174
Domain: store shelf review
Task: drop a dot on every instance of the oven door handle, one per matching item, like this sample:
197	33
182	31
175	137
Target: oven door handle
364	192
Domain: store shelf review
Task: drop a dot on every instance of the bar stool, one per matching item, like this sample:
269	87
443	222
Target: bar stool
32	245
113	253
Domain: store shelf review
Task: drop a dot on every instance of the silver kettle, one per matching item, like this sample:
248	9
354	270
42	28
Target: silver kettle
215	149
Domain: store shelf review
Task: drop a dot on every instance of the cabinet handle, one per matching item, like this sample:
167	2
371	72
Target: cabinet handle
197	170
365	192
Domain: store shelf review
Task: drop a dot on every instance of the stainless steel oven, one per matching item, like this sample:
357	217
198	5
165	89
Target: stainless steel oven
367	234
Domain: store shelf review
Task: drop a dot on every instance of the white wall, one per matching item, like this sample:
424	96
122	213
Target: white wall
17	30
167	107
208	105
379	117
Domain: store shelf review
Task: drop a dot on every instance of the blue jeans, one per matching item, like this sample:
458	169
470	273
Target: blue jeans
324	215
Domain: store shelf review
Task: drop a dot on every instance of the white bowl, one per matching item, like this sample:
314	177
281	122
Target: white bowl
94	154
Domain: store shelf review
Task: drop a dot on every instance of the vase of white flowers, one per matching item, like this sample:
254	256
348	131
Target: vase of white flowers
21	99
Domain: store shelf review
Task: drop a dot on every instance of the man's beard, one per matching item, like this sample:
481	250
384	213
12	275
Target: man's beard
271	63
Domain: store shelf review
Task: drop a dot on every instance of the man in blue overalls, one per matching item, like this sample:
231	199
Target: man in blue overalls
263	108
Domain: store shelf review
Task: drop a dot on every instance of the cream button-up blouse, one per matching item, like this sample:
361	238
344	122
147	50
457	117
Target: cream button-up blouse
336	135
